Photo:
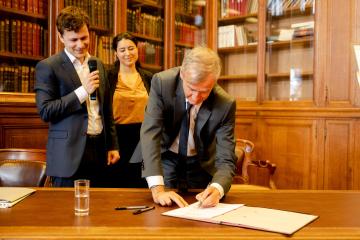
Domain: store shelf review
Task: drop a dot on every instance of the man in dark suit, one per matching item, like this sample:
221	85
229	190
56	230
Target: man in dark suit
208	160
81	134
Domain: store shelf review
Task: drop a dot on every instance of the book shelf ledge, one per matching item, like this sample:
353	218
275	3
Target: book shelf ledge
287	75
16	97
238	19
244	48
20	56
305	42
245	77
151	67
22	13
100	29
187	45
146	3
142	36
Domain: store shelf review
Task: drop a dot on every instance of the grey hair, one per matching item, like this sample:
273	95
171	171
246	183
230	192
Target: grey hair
199	63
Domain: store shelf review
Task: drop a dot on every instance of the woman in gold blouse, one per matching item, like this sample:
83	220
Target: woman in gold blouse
130	85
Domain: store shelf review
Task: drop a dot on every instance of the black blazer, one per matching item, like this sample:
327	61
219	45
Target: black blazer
57	103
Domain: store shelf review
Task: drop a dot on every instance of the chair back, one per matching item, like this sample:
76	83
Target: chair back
22	167
251	172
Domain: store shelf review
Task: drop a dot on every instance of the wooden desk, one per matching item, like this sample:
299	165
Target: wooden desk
49	214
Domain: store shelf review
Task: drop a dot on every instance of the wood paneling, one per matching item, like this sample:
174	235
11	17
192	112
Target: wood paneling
21	127
339	137
290	145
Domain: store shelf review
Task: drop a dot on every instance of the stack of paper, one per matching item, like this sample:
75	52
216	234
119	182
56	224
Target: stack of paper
9	196
238	215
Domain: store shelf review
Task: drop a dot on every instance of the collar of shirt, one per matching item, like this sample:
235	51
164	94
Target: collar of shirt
74	60
195	109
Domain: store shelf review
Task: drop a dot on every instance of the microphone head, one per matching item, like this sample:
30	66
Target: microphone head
92	64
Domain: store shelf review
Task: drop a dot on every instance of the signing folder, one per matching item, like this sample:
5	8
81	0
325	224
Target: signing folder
239	215
9	196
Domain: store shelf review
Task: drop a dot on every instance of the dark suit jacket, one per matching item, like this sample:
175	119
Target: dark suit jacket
214	128
57	103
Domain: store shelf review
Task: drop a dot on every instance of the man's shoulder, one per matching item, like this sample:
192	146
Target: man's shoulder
221	94
52	60
169	74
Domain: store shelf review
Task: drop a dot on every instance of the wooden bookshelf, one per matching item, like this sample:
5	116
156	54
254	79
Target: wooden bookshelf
22	14
20	57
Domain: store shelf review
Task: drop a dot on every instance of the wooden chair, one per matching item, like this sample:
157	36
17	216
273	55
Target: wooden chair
22	167
252	174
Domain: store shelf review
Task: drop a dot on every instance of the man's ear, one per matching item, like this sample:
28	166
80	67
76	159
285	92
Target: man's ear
60	37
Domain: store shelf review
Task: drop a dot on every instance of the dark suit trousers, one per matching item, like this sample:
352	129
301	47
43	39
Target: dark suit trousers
92	165
196	176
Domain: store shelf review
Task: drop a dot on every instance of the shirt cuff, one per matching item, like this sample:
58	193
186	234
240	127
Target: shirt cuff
82	94
155	180
219	188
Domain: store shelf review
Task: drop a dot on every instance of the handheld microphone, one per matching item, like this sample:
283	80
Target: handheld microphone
93	67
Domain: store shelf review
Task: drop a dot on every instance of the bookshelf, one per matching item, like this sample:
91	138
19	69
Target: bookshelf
145	20
237	45
23	42
190	22
295	84
101	14
289	51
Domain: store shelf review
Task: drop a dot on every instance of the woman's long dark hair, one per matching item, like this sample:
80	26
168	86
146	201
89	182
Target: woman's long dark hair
118	38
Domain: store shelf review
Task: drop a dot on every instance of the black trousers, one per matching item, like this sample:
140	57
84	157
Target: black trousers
124	174
92	165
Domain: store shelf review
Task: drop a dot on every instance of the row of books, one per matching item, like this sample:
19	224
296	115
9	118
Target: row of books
101	12
144	23
277	8
17	78
30	6
295	31
184	6
179	54
235	35
231	8
150	53
23	37
184	33
100	46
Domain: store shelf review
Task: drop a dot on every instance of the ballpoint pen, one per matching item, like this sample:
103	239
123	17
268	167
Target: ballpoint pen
131	207
143	210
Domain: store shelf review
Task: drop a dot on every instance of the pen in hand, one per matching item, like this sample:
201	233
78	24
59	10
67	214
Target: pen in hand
131	207
143	210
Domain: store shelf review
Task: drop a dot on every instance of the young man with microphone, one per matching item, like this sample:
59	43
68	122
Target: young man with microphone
72	94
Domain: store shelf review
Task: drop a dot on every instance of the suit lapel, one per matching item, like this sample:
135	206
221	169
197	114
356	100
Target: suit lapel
70	70
204	113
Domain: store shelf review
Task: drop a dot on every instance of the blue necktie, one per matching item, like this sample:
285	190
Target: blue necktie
183	146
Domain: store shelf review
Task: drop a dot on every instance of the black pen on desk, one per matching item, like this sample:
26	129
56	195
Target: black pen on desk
131	207
143	210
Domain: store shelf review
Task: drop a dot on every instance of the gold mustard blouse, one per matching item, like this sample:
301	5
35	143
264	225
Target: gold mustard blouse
129	100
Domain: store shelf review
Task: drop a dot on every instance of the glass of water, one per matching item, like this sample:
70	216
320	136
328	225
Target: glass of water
82	197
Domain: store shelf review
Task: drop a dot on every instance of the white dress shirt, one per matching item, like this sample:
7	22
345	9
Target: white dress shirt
95	125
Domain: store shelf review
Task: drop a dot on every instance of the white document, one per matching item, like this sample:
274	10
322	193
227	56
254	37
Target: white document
238	215
195	212
9	196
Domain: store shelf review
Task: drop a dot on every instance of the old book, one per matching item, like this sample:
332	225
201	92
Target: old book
239	215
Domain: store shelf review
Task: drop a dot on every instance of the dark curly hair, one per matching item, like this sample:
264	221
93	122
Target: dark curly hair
71	19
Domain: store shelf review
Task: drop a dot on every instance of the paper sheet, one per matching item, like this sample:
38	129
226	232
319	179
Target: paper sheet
193	211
